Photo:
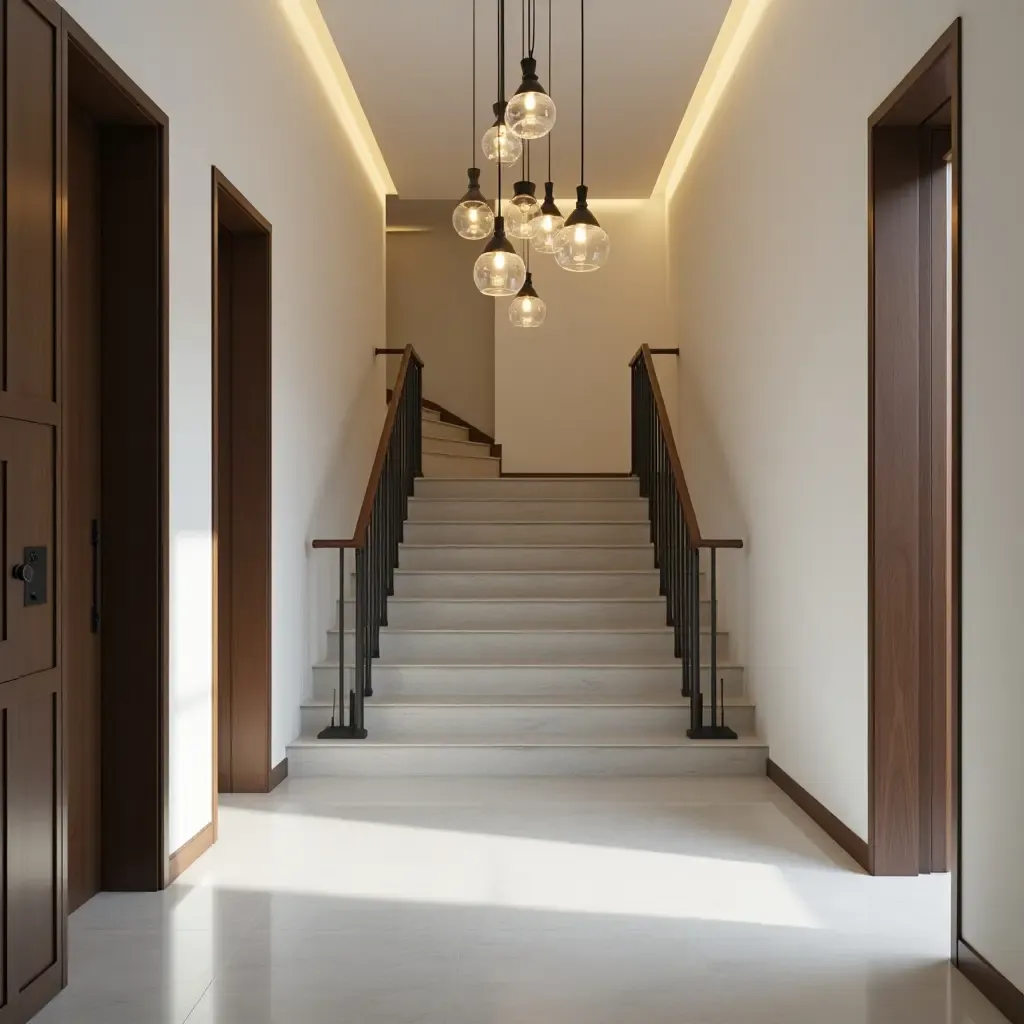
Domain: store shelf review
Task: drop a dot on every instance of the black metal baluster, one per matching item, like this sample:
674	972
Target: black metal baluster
361	681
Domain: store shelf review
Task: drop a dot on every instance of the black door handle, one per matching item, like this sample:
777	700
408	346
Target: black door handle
24	573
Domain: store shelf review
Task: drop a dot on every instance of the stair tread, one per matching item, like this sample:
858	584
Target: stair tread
520	600
496	701
539	741
461	666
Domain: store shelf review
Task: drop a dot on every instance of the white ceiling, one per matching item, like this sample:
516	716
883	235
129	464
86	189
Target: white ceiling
410	63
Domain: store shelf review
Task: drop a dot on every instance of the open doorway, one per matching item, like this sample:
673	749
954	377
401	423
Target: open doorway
241	491
914	484
114	472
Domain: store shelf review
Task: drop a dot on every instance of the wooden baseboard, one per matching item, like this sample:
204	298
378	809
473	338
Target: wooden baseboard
995	987
183	858
852	843
278	774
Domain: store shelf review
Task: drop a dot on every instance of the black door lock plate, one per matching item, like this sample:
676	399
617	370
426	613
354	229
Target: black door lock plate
33	574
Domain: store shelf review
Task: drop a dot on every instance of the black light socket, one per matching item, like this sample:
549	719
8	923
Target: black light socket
548	207
582	214
528	289
530	81
474	194
498	241
525	188
499	109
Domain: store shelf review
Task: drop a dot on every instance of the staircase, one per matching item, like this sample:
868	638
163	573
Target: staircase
526	636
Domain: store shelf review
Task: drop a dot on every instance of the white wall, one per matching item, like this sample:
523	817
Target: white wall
561	391
768	273
433	305
240	96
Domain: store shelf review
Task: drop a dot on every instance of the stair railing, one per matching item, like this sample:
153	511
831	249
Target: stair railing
375	540
678	543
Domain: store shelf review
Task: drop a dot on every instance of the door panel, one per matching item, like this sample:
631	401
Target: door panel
31	208
32	882
27	468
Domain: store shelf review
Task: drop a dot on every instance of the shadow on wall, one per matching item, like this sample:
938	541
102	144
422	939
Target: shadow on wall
338	501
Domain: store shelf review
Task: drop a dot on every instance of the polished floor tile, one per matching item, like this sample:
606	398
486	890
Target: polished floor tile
508	901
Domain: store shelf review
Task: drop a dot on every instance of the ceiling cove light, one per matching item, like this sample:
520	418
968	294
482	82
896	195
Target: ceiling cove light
582	245
531	112
499	269
314	37
473	218
528	309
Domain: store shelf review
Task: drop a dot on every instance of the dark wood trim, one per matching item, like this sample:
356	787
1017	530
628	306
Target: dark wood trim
839	833
358	537
246	643
907	692
278	774
184	857
664	351
995	987
136	857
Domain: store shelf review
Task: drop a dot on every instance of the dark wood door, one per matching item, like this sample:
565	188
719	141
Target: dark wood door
31	731
82	509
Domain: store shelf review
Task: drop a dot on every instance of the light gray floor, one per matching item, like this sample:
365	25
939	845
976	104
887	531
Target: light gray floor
520	902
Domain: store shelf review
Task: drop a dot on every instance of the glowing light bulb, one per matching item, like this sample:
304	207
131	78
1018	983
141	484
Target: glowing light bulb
474	214
499	261
531	101
580	234
527	305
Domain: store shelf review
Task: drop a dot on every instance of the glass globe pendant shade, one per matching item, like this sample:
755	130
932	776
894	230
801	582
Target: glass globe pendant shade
548	222
582	245
522	210
499	269
531	112
499	144
528	309
473	217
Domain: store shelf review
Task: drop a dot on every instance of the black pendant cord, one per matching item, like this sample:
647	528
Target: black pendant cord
531	29
472	109
583	93
550	2
501	84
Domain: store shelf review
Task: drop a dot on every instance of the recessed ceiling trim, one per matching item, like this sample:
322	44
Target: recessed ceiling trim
313	35
738	29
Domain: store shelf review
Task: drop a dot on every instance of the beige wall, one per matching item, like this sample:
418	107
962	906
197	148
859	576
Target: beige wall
562	390
768	257
257	112
433	304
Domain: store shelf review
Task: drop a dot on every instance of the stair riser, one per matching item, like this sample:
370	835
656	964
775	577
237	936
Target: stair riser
485	612
448	446
443	466
550	558
526	585
525	682
520	724
470	614
431	416
361	760
423	511
514	488
447	431
537	584
527	533
439	648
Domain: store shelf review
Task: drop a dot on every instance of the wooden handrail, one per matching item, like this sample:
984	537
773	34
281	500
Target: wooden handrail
358	538
689	513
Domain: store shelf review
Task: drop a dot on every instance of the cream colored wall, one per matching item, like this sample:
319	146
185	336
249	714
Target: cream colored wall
561	391
432	304
240	95
768	257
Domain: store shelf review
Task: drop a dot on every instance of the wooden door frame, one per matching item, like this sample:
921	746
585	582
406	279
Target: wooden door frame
144	859
902	733
253	771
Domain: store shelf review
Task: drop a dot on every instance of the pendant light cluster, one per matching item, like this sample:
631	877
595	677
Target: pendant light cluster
578	243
